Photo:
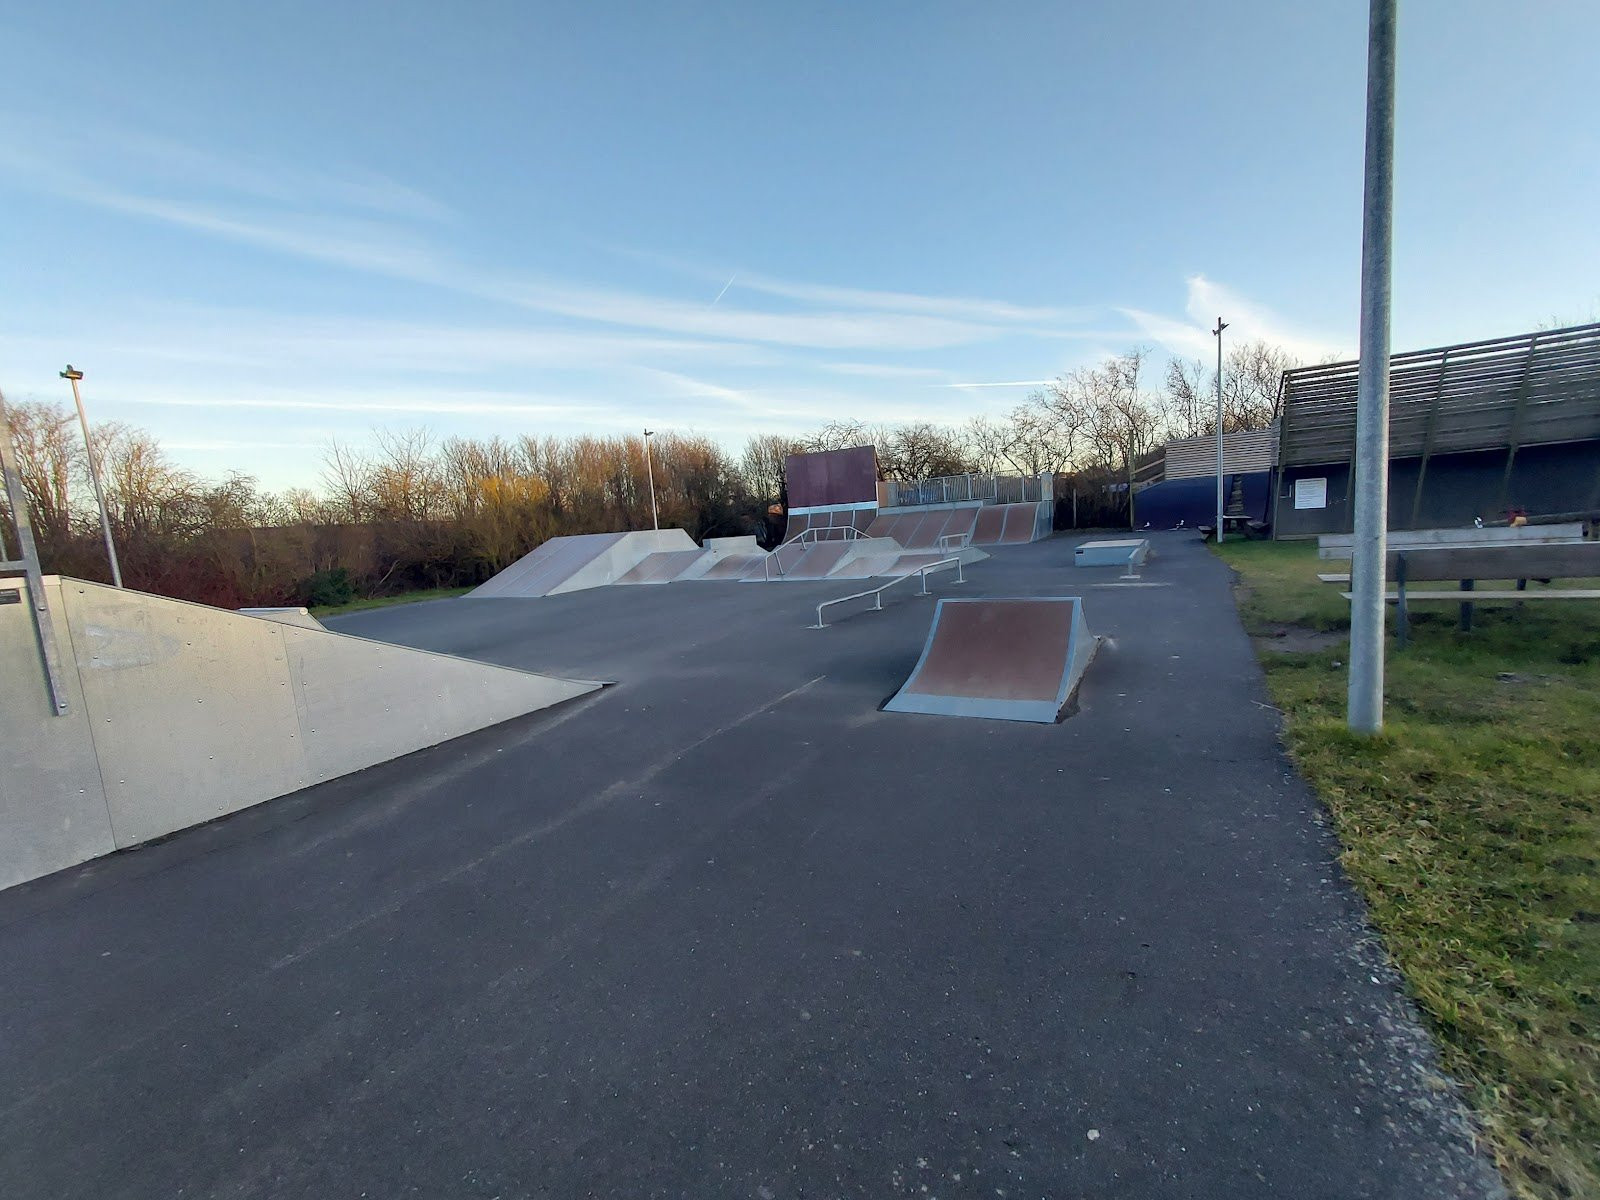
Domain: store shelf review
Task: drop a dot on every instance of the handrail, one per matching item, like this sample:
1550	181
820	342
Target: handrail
877	592
847	532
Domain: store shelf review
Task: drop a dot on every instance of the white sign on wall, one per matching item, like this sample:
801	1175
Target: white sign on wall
1311	493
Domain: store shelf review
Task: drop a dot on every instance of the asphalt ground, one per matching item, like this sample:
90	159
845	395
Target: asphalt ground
726	929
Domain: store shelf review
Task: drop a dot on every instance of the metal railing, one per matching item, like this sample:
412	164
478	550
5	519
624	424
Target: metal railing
877	592
954	489
945	541
847	533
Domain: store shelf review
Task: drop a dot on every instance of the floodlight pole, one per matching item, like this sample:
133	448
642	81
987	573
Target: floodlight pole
651	472
1371	483
72	375
1217	332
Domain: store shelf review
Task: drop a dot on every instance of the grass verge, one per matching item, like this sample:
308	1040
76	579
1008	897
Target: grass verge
1472	827
337	610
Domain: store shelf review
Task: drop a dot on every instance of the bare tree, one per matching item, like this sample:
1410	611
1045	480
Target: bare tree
1252	384
49	459
1189	402
345	476
983	440
1120	423
920	451
764	463
1252	390
1037	438
404	481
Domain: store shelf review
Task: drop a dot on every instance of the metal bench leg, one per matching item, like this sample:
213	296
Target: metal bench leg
1401	616
1466	607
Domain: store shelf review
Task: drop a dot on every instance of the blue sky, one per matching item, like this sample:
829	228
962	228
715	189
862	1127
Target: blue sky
256	227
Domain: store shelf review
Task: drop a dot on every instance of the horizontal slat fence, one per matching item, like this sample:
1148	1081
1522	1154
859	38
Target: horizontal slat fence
1534	389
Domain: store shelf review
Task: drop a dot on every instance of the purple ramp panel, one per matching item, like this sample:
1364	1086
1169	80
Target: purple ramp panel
1010	659
832	477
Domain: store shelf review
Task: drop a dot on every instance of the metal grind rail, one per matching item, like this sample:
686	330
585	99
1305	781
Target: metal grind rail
877	592
814	535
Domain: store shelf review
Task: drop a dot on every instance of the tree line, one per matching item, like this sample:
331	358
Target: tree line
415	510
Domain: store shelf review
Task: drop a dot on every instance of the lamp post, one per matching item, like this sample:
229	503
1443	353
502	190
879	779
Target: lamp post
73	375
650	470
1217	333
1364	710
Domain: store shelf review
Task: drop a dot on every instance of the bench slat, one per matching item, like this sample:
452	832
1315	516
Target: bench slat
1473	597
1337	545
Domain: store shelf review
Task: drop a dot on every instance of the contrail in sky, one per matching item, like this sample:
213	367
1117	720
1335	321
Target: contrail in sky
725	288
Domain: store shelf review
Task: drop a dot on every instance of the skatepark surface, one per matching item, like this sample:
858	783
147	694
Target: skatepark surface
728	929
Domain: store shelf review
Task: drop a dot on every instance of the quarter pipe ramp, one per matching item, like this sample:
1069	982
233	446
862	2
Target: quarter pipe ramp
1013	660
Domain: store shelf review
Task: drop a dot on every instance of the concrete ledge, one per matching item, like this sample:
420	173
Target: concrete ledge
1125	552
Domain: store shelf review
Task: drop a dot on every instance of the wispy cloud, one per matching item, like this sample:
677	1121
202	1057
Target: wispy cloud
384	245
1014	383
764	354
151	165
1205	300
386	402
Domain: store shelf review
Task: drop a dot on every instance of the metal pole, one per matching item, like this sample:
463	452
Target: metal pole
72	376
1221	325
1371	483
651	471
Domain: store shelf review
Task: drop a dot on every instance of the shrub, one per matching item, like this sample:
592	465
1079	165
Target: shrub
329	588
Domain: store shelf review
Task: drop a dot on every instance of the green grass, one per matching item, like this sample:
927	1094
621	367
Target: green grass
336	610
1472	827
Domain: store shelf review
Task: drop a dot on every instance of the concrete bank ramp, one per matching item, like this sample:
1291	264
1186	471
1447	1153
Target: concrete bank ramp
178	713
1013	660
287	616
571	564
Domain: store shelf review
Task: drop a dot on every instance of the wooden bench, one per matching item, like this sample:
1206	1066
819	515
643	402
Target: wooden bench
1468	564
1337	545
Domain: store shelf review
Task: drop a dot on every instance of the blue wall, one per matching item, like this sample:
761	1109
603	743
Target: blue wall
1194	501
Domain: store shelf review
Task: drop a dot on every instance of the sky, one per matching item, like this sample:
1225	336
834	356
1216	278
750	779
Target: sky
256	228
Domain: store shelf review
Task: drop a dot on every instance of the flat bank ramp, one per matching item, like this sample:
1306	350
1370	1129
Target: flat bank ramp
662	567
1009	659
585	560
178	713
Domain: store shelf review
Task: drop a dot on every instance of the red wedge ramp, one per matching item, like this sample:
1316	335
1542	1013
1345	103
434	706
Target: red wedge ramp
922	528
1012	524
1008	659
